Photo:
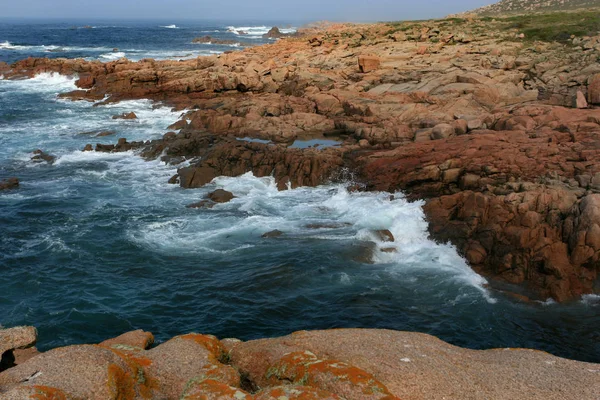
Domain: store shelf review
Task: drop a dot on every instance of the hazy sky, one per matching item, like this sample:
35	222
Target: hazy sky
299	10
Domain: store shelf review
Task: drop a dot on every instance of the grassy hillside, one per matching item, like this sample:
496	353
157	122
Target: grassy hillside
535	6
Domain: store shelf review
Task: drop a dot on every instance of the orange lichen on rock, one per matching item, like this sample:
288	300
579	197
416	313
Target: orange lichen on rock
142	384
210	389
211	343
120	383
304	368
295	393
47	393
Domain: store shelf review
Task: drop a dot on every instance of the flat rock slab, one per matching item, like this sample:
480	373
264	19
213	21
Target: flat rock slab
417	366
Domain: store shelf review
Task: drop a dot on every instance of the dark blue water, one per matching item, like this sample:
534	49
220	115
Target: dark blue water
111	40
98	244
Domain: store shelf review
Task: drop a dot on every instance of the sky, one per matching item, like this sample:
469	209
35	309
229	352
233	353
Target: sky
239	10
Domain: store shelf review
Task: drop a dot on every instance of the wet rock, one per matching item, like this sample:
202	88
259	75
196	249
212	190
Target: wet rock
129	116
202	204
384	235
40	156
221	196
10	183
88	147
273	234
138	339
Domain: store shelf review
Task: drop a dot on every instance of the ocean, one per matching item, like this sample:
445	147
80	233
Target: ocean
97	244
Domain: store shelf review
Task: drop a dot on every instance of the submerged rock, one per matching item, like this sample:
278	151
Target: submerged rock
10	183
273	234
130	115
40	156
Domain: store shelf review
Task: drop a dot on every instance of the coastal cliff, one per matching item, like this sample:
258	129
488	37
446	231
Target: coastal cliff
337	364
496	130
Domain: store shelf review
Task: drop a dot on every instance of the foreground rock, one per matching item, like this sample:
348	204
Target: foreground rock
339	364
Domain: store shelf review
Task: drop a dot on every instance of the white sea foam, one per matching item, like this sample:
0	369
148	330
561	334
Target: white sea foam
256	31
116	55
170	26
50	48
591	300
346	216
44	82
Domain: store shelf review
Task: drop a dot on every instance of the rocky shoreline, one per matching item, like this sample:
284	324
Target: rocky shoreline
499	135
480	126
337	364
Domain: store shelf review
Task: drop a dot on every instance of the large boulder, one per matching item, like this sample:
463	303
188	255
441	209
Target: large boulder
368	63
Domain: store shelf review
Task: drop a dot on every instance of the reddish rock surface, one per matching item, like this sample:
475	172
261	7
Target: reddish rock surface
320	365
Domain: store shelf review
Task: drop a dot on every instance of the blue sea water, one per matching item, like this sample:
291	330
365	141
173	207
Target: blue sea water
97	244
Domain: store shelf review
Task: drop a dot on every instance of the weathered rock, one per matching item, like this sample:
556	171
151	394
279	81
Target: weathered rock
368	63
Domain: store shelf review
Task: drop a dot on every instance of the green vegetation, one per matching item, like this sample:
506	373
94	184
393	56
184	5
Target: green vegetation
559	26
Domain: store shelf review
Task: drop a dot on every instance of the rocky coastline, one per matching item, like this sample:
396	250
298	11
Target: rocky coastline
352	364
497	133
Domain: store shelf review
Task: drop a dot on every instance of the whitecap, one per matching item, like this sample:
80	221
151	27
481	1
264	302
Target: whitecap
170	26
592	300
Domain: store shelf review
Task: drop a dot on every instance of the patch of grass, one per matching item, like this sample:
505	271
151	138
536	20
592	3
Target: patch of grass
559	26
